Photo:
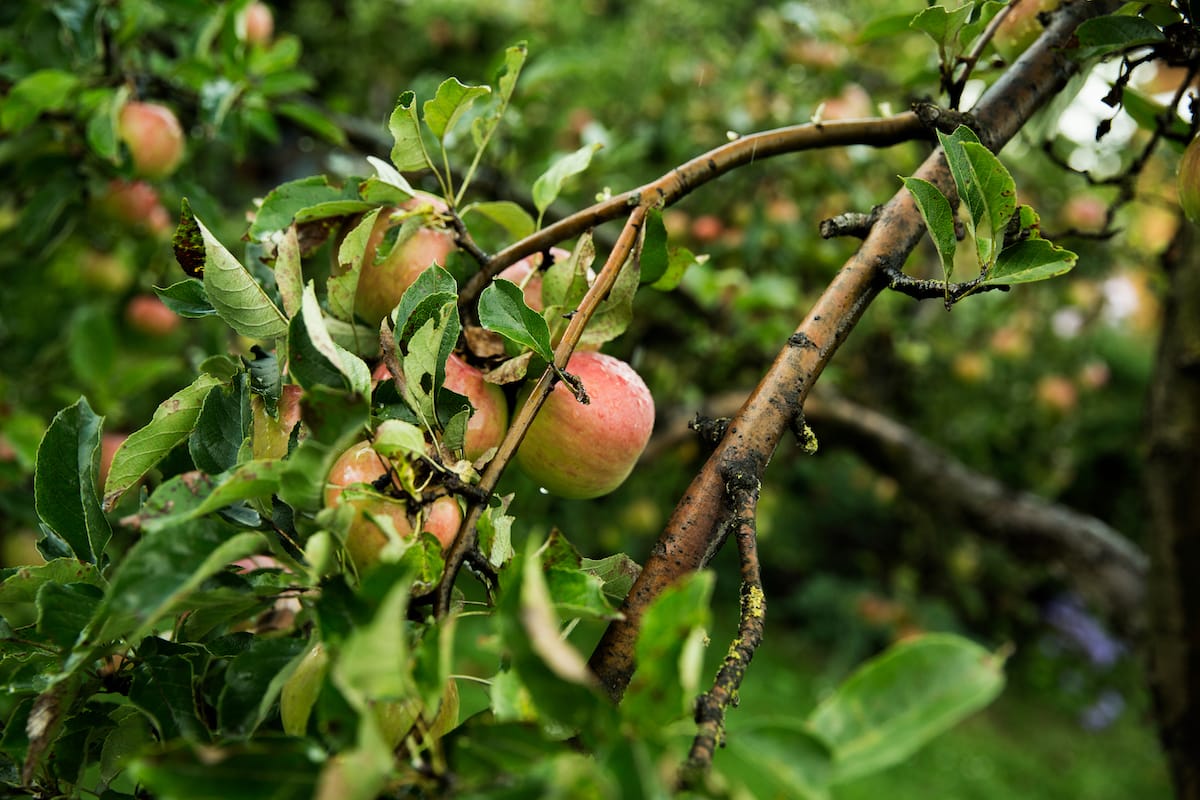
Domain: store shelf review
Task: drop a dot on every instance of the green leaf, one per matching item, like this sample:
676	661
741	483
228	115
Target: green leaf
577	593
342	287
102	125
65	481
999	194
64	610
484	127
316	359
408	151
35	94
565	282
298	695
985	194
942	25
1028	261
550	183
187	299
894	704
375	662
680	261
495	532
387	186
253	681
961	170
171	425
669	655
939	219
162	569
236	296
613	316
222	426
22	584
1102	36
253	479
434	280
426	341
281	769
92	344
505	213
314	118
289	276
616	572
281	206
654	256
502	310
395	437
881	27
776	758
453	99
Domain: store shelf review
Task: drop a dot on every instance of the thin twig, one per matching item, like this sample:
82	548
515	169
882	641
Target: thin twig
742	496
668	189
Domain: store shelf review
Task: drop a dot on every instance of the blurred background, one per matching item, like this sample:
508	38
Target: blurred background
1041	388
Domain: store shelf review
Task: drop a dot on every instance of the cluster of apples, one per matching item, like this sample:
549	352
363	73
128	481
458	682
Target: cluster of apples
572	449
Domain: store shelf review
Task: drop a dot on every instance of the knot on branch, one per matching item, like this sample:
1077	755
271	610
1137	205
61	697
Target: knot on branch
711	429
801	339
740	482
851	223
946	120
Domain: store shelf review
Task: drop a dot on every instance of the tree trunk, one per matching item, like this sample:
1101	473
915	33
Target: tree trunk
1173	502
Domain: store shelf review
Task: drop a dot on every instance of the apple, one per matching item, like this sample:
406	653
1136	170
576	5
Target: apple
135	204
1020	27
104	271
489	423
707	228
148	315
1189	181
109	444
583	451
257	24
360	464
269	435
1056	394
154	138
383	279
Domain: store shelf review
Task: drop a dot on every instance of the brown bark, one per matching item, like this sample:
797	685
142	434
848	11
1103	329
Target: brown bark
1173	502
695	529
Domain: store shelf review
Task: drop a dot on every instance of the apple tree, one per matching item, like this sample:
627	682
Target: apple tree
309	569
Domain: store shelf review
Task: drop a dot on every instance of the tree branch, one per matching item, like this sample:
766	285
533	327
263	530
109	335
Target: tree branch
687	177
1172	489
692	534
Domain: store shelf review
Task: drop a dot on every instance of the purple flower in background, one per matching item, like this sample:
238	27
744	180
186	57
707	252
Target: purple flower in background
1067	616
1103	712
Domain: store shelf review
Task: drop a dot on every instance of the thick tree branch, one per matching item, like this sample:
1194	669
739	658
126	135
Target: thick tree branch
1172	492
692	534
